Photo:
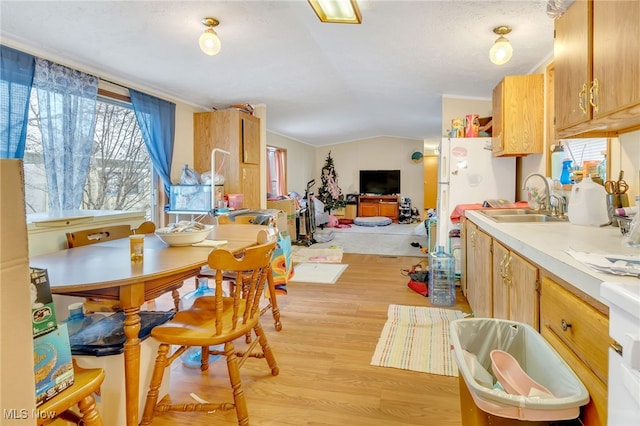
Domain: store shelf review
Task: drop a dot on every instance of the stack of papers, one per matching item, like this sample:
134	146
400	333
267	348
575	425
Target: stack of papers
609	263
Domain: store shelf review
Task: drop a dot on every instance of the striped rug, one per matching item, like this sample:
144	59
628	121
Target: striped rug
417	338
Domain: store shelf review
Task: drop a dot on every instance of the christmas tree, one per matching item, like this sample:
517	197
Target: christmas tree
330	193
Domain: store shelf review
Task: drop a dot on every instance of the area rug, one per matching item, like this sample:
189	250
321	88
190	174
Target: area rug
329	253
383	245
318	273
417	338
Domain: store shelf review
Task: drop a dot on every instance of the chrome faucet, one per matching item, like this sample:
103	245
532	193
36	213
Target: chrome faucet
543	201
560	206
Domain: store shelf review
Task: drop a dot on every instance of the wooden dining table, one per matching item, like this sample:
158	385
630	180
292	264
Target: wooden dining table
105	271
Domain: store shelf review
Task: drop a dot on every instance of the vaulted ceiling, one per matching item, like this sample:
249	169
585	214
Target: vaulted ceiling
321	83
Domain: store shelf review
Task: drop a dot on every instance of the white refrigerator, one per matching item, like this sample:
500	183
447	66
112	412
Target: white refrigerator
468	173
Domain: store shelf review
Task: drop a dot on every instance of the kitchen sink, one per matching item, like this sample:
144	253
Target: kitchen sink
520	216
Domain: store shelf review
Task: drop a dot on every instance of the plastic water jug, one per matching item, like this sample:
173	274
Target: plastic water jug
588	204
442	285
191	357
78	320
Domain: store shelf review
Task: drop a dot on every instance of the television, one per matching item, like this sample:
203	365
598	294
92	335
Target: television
380	182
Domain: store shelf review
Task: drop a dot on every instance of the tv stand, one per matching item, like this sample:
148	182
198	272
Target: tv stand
379	205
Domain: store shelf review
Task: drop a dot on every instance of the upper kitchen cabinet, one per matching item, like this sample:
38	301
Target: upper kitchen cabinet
238	133
518	115
597	63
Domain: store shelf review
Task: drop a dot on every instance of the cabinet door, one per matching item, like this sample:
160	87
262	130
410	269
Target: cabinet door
250	139
479	286
501	281
616	56
524	298
466	228
572	65
389	210
496	135
250	176
368	209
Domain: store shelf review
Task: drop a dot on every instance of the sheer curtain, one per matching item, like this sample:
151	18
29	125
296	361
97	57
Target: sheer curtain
16	78
157	122
67	110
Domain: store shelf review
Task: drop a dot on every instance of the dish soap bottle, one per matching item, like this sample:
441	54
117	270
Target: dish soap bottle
191	358
565	176
442	286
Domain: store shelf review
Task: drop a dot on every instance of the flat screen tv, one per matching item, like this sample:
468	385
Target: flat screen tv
380	182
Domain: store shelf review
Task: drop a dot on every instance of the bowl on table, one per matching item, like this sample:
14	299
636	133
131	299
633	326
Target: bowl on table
185	237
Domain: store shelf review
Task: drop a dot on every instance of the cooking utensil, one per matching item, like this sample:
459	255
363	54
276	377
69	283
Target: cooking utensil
616	187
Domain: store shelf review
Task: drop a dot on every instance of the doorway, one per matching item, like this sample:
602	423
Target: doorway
430	184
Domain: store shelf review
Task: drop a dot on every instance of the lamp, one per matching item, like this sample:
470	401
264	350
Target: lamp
501	51
337	11
209	41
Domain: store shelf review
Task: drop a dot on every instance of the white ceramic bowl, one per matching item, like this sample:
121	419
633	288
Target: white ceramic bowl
185	238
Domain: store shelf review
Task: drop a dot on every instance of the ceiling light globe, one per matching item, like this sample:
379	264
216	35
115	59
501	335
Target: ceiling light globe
209	42
501	51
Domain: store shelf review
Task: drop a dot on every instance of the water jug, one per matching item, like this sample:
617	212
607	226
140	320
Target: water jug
557	157
442	286
78	319
191	357
588	204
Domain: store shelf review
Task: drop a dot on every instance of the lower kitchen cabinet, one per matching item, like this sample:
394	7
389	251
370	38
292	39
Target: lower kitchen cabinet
515	287
580	334
477	274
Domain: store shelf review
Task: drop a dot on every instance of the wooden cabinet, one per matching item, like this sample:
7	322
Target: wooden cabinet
597	62
238	133
580	334
518	115
515	287
383	205
478	273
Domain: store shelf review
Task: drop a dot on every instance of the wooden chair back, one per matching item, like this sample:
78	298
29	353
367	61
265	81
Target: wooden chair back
97	235
145	228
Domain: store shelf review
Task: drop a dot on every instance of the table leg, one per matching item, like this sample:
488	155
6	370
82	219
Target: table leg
132	363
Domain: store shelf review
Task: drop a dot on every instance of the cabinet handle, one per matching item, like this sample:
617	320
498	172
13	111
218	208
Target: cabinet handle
594	91
507	271
564	325
582	99
616	347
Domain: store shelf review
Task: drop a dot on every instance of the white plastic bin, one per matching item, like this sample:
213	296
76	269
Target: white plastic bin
479	336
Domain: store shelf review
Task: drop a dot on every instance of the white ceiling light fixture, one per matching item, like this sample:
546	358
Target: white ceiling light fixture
501	51
337	11
209	41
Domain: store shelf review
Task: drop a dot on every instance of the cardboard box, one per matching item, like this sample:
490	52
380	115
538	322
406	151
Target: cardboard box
52	364
289	207
43	314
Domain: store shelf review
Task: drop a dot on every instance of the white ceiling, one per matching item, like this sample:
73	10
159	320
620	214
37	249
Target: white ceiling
321	83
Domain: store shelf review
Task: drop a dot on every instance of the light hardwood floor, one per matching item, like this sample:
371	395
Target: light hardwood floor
324	349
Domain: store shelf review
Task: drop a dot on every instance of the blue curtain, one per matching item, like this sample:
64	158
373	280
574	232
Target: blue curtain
67	109
15	89
157	122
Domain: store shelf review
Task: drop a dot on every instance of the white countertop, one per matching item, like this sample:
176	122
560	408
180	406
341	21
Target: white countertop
546	243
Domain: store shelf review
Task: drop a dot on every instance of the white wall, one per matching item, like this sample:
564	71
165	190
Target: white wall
627	158
374	154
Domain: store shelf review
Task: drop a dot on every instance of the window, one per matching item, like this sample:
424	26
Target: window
276	172
586	152
120	174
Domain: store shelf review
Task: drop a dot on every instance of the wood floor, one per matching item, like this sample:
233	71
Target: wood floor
324	349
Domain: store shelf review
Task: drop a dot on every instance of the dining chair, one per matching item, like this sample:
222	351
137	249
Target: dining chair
207	272
218	320
80	394
107	233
